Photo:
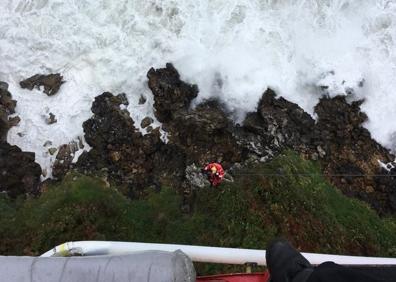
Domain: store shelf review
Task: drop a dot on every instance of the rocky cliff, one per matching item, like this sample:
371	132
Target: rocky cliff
19	173
195	136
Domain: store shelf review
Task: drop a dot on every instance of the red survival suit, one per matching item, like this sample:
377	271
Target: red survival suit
215	173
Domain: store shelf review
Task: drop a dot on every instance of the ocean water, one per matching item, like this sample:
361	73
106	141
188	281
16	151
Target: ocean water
231	49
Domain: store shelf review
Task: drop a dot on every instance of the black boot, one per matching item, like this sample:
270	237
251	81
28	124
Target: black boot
286	264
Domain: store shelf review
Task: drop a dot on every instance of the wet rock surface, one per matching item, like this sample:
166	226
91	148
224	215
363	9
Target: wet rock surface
146	122
142	100
3	86
7	107
118	148
19	174
195	136
50	119
50	82
206	135
283	122
171	95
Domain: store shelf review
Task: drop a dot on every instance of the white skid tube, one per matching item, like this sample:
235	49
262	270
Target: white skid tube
201	253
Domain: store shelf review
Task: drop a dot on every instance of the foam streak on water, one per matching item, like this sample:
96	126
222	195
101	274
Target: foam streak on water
232	49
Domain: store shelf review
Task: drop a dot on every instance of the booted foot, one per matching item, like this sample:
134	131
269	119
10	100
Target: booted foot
286	264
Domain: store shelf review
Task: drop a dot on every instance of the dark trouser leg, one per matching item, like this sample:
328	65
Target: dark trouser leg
286	264
331	272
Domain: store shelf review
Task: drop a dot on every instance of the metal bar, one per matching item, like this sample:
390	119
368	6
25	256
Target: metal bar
202	253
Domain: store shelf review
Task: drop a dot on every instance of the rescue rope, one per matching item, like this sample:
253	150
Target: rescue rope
312	174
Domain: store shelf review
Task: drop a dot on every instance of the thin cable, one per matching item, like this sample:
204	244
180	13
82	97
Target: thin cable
313	174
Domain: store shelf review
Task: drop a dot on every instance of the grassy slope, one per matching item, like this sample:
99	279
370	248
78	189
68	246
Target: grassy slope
272	200
248	213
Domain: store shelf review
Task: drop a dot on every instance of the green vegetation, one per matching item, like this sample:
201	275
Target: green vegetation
264	202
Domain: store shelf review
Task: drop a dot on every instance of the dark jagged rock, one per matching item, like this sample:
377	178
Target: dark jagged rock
64	159
108	125
51	83
47	143
350	150
285	121
51	119
7	107
52	150
170	93
3	86
120	148
142	100
146	122
205	134
277	124
14	121
19	174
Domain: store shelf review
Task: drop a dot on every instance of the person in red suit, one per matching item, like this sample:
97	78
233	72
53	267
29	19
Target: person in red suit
215	173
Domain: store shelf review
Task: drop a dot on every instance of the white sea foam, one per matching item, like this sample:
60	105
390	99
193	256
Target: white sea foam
232	49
